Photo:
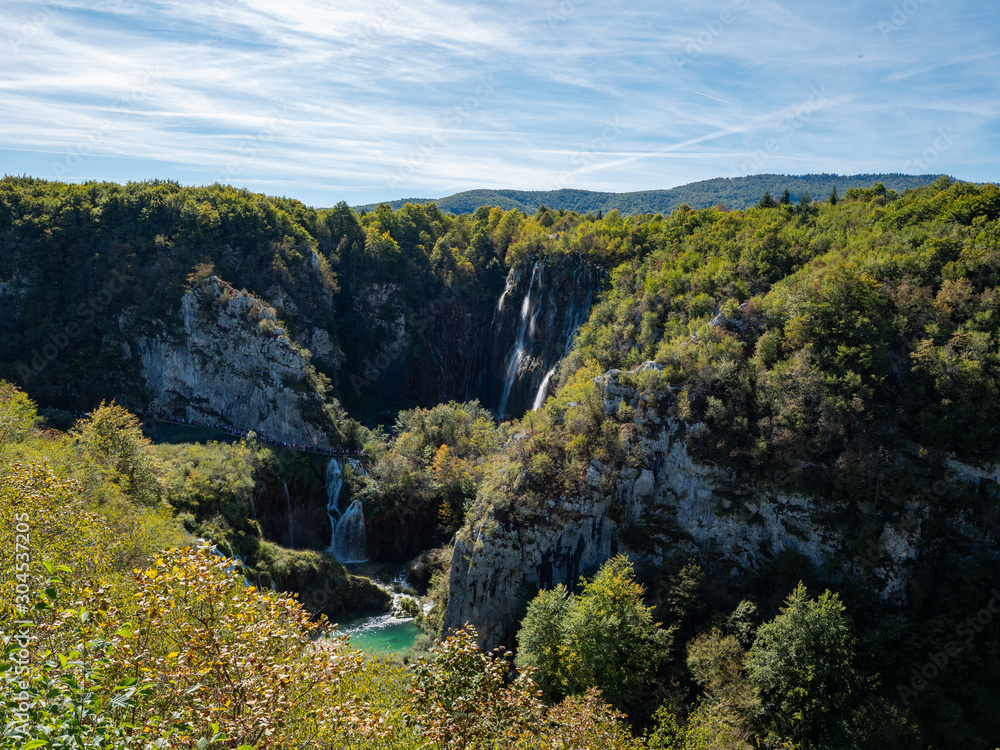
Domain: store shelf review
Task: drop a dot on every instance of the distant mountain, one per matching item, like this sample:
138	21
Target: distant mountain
733	192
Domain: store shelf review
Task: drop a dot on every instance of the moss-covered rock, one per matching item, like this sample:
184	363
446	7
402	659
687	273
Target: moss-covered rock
323	584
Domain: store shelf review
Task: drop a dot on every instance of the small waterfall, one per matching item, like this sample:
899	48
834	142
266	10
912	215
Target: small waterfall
334	484
349	536
517	353
288	506
253	508
400	590
506	290
348	540
543	389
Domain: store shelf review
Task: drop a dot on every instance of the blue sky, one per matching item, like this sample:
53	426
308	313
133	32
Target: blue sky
384	99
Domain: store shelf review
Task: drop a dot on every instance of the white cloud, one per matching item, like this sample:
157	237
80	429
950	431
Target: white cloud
341	101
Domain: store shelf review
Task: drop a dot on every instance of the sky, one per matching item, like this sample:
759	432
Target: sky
385	99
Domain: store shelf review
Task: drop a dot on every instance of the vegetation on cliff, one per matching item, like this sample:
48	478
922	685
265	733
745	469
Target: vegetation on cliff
846	350
111	641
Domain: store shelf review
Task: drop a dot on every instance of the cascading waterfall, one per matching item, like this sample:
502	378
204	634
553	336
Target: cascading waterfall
527	342
543	389
348	540
253	508
288	506
517	353
334	484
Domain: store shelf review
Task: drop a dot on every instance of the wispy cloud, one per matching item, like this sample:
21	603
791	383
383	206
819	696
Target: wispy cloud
357	84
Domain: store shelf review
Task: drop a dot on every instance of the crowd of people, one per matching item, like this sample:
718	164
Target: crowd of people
233	432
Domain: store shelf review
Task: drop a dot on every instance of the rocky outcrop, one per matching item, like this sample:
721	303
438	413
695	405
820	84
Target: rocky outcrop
233	363
494	576
667	506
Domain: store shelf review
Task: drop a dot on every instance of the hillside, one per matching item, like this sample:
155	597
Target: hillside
741	401
732	192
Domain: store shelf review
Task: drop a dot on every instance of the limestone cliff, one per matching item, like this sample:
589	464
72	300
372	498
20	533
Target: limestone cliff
232	363
669	505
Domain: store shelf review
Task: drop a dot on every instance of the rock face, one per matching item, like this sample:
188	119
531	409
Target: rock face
670	505
233	364
494	578
532	328
457	347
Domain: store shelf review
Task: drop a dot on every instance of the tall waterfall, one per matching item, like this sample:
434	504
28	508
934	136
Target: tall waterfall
288	509
517	353
348	540
534	325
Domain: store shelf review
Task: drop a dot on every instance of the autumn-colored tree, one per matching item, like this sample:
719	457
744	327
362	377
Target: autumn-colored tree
461	697
111	438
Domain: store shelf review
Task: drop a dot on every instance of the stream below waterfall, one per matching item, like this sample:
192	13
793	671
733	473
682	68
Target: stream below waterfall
381	631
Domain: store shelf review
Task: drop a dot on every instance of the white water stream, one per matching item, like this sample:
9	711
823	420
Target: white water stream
517	353
348	540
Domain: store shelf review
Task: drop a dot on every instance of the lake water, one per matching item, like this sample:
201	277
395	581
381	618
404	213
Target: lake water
380	631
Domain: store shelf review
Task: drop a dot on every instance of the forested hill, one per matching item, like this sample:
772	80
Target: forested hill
740	400
732	192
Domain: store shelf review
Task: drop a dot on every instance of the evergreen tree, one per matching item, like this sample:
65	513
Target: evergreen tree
786	198
766	201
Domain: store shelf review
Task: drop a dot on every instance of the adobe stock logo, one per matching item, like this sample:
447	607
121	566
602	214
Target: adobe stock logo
86	314
938	662
901	15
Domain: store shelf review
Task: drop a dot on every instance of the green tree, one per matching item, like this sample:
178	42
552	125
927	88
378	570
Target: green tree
606	637
541	638
766	201
461	698
17	414
112	439
786	198
833	196
803	665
